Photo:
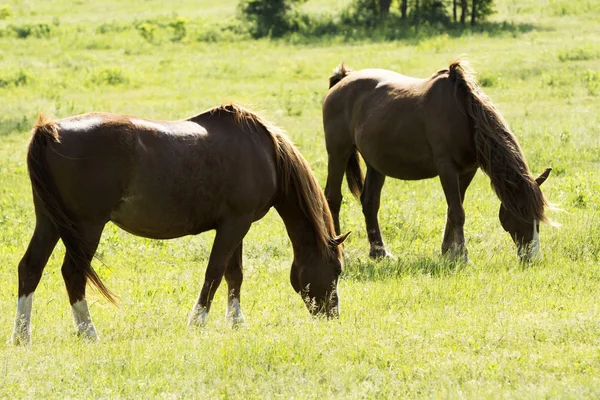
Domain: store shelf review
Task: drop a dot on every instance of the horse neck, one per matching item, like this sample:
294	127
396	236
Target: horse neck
300	228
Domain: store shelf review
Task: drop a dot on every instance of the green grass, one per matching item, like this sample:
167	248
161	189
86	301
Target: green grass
418	327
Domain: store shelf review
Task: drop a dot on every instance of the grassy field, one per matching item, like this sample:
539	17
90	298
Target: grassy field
417	327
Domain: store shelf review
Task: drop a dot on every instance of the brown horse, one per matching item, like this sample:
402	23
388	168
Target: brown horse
222	170
411	129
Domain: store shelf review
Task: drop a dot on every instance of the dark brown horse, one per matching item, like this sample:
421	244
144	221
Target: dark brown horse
411	129
222	170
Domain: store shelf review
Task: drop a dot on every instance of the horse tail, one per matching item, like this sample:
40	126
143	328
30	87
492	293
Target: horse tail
45	132
498	152
354	174
339	73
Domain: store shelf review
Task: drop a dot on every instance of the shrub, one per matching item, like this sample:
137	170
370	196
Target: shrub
268	17
581	53
39	30
5	12
147	31
179	29
18	78
155	30
111	76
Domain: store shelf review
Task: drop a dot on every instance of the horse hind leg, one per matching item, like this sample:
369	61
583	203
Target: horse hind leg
228	239
73	271
234	276
370	200
43	241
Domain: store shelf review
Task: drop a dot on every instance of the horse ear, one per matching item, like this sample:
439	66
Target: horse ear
336	241
543	176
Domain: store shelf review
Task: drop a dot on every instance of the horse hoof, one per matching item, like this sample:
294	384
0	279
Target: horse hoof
381	254
458	256
20	340
198	318
85	337
235	324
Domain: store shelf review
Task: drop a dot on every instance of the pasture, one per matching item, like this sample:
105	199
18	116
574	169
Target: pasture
416	327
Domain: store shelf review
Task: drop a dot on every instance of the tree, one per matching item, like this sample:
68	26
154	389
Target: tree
463	11
384	7
403	9
268	17
481	10
454	11
417	16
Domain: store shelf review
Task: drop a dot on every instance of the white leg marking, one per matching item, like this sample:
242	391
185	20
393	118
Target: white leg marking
234	313
83	320
22	331
535	250
338	309
198	317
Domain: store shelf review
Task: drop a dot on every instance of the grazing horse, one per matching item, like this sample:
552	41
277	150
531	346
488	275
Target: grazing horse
412	129
222	170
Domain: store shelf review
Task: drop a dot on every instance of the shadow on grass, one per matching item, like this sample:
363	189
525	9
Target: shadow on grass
322	29
371	270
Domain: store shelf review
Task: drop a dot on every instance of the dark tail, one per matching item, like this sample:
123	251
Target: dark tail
354	174
45	133
339	73
498	152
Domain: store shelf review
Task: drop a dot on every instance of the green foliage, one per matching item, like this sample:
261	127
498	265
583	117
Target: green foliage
484	9
579	53
271	18
158	29
592	81
15	78
39	30
111	76
430	11
179	29
147	31
5	12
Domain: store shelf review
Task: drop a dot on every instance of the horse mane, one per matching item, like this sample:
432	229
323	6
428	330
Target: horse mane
339	73
498	152
294	173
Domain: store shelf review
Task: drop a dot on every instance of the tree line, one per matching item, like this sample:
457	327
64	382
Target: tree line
277	17
428	9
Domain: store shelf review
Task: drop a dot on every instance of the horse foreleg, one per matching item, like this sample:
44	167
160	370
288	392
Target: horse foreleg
75	280
370	200
234	276
336	167
228	238
454	186
31	267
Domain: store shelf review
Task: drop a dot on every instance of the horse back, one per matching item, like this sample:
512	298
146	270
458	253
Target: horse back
401	125
160	179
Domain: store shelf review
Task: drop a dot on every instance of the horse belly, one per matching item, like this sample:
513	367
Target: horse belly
408	170
402	158
158	217
195	202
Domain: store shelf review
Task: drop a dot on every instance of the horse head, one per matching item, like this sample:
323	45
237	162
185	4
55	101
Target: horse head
316	278
525	234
